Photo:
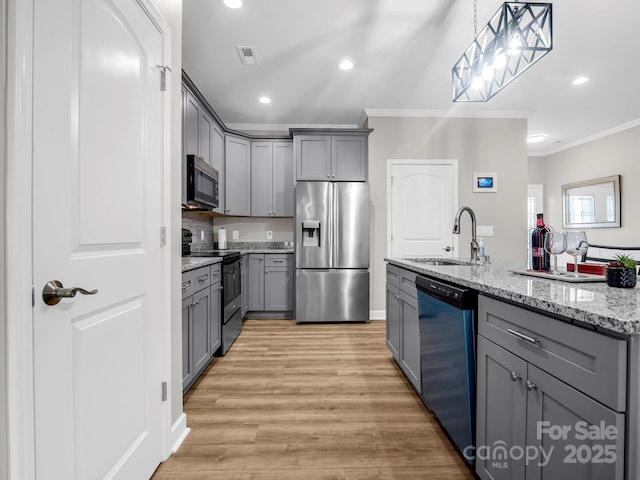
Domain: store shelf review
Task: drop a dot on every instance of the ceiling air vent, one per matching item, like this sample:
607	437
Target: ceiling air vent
248	55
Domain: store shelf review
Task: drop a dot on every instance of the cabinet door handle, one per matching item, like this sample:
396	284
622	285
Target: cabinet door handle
186	285
515	376
277	261
522	336
203	278
531	386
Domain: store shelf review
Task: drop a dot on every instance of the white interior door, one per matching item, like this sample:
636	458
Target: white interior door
422	205
97	214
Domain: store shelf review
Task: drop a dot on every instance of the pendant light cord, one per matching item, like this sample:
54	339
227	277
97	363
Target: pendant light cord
475	18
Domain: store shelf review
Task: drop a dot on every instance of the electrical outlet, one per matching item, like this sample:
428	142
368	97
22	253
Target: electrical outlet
236	234
201	234
269	235
485	230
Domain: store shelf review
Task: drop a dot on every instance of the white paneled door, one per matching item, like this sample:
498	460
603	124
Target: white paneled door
422	204
97	215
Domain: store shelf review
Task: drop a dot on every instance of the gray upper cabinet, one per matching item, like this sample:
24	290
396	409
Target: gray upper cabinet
331	155
205	125
349	158
272	179
191	125
313	157
217	162
237	176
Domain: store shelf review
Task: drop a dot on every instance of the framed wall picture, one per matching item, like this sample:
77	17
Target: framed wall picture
485	182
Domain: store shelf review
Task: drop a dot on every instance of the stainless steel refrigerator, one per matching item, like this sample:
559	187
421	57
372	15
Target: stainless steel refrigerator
332	252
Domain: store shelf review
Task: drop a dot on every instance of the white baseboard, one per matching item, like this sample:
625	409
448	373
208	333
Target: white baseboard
179	432
377	315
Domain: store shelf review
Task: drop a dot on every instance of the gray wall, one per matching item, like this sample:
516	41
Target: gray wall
489	145
3	361
172	12
616	154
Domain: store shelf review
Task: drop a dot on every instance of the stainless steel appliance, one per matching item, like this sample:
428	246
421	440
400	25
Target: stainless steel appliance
446	318
231	310
202	184
332	251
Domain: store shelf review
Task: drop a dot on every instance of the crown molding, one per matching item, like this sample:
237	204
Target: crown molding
383	112
556	148
284	127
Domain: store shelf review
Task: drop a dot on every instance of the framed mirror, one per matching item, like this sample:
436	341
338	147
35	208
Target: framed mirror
592	203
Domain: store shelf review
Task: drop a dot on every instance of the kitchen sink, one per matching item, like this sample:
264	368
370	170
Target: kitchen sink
441	261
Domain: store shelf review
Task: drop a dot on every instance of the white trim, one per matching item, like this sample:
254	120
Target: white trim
19	245
179	432
284	127
20	372
555	148
391	162
156	16
378	315
390	112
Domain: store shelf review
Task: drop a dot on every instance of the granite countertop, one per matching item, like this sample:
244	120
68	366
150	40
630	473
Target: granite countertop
597	304
191	263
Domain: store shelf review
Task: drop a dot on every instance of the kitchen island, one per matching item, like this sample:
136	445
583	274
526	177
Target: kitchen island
551	356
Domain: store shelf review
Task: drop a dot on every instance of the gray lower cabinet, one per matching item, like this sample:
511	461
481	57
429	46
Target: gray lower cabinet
532	382
200	320
271	179
403	331
271	283
237	176
244	282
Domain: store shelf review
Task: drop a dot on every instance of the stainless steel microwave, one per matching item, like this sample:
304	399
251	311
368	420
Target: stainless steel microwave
202	184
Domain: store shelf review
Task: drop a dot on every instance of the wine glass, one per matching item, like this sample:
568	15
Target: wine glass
555	244
576	245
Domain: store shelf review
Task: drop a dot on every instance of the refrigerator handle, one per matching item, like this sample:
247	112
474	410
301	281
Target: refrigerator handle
334	223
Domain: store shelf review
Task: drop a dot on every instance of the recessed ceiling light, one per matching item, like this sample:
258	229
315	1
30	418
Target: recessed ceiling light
265	100
580	80
537	138
345	65
232	3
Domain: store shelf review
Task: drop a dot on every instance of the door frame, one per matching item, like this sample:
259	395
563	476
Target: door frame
20	292
391	162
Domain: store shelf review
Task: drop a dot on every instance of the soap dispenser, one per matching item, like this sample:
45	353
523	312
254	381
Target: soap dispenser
480	250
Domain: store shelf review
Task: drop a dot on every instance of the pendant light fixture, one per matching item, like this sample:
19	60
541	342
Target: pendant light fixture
516	37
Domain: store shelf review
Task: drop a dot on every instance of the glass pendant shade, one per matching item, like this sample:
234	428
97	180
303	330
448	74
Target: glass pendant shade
518	35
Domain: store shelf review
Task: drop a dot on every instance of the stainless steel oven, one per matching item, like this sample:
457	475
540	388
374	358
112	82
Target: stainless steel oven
231	299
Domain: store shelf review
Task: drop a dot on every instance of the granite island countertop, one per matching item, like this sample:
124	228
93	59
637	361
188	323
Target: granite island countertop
596	304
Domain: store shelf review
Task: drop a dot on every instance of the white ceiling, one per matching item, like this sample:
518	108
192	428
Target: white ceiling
403	51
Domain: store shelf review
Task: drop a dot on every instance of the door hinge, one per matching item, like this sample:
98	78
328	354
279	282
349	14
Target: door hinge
164	391
163	236
163	76
392	237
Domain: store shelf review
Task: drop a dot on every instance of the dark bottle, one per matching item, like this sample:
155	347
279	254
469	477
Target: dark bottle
540	260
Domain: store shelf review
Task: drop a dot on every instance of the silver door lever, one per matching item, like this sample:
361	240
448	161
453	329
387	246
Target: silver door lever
53	291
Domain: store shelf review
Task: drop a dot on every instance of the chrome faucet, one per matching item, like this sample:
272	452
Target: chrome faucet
456	231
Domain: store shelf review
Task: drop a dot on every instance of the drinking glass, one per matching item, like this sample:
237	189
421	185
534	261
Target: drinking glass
576	245
555	244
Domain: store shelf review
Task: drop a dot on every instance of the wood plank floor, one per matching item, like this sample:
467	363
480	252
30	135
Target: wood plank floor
309	402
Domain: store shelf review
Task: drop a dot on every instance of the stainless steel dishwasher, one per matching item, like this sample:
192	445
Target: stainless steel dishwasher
447	315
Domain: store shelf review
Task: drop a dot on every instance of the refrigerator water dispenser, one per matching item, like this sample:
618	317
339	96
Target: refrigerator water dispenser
311	233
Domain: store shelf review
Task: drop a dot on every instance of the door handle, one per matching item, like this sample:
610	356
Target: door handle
53	291
522	336
447	248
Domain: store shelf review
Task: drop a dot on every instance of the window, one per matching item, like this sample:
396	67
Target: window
583	209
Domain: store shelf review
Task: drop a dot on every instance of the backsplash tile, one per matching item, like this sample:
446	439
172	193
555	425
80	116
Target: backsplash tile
198	223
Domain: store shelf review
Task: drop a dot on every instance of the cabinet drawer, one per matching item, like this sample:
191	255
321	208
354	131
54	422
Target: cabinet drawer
216	273
393	275
278	260
408	282
589	361
195	280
